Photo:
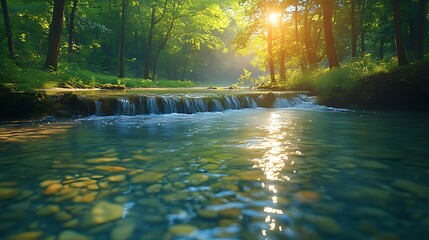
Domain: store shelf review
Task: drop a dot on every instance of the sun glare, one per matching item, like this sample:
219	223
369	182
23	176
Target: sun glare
273	18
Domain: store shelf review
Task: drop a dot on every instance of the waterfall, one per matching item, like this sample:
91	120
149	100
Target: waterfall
188	104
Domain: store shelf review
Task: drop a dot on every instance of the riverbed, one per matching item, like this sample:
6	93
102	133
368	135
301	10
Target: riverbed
285	173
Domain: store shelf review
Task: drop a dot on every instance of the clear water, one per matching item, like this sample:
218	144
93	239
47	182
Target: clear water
241	174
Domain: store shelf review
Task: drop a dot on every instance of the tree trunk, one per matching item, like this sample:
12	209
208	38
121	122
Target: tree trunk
71	28
308	42
8	29
353	23
400	48
270	54
331	51
54	37
122	43
296	22
362	31
381	47
149	46
421	29
282	68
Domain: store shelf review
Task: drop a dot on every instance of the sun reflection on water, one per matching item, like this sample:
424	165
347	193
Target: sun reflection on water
277	144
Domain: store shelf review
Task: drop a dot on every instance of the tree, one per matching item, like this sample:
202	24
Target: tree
122	42
8	29
353	23
270	52
331	52
421	29
400	47
71	28
153	21
54	37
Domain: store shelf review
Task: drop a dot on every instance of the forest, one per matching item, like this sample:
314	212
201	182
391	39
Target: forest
330	47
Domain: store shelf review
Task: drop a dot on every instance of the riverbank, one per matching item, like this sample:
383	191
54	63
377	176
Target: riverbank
403	88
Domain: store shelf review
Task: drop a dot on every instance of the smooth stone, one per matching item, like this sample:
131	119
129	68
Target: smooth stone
47	210
326	225
156	188
8	193
101	160
111	168
103	185
182	230
211	166
230	212
34	235
197	179
87	198
147	177
175	197
20	206
63	216
104	212
48	182
121	199
179	185
411	187
207	213
72	235
52	189
116	178
123	231
306	196
93	187
97	176
71	224
226	222
251	175
168	187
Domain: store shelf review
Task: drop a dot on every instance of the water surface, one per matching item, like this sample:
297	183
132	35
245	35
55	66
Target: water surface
241	174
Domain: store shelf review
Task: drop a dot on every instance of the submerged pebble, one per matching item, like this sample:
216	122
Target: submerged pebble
8	193
182	230
72	235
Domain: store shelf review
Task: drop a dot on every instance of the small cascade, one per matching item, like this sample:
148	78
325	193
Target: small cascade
98	111
167	104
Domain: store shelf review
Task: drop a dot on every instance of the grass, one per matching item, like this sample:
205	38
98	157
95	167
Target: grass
29	78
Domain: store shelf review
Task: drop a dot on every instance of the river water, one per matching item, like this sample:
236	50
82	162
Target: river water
295	173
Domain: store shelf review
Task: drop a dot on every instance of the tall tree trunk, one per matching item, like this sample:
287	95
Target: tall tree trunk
331	52
362	4
282	67
54	37
270	54
136	52
381	46
146	73
421	29
353	23
296	21
122	42
71	28
8	29
308	41
400	48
